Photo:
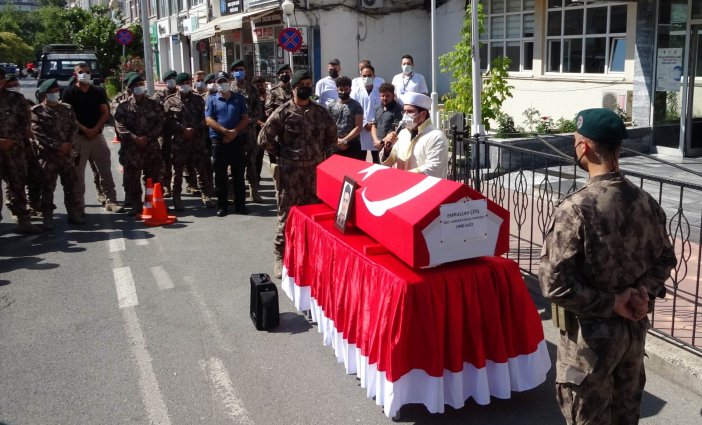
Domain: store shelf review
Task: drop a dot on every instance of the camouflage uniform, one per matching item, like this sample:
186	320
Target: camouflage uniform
253	103
301	137
607	237
165	141
134	119
187	111
15	125
33	175
53	126
279	94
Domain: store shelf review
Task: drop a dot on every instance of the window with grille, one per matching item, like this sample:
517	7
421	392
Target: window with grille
508	31
585	38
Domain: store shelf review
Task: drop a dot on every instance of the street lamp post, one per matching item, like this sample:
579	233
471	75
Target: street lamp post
288	9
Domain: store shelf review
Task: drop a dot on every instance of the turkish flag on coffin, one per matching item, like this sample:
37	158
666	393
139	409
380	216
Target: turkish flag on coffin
401	210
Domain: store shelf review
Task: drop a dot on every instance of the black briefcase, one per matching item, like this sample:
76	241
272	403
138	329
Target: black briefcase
264	302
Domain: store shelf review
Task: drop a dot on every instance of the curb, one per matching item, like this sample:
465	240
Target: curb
665	357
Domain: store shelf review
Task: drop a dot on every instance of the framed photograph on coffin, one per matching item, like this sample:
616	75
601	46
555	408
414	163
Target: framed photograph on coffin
345	207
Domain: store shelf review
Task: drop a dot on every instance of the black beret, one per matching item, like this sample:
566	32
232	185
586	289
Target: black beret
601	125
127	76
183	77
239	62
136	78
47	85
208	78
169	74
282	68
299	75
220	75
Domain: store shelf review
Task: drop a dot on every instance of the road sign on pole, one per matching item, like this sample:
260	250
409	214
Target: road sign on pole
290	39
124	37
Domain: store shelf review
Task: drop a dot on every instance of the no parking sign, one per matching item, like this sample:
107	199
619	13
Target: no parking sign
290	39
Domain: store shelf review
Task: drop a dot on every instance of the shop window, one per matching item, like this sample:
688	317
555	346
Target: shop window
585	37
509	32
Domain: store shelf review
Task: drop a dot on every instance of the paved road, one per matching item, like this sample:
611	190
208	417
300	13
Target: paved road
114	322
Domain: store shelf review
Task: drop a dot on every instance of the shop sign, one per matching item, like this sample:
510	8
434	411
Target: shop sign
230	7
264	34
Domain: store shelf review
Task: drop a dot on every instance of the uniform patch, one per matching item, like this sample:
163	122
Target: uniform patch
579	124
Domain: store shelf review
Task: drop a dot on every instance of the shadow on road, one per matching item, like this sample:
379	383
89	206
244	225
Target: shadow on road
292	323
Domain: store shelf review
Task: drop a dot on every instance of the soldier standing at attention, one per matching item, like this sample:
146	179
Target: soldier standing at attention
139	121
185	119
605	258
281	92
255	108
228	118
54	125
300	133
14	128
165	139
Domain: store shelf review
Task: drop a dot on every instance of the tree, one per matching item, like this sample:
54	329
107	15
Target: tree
14	49
459	63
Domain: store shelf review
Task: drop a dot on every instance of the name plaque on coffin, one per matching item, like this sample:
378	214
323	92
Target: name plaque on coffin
402	211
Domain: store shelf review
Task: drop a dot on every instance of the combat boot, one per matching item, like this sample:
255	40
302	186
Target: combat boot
177	203
25	227
111	206
47	222
166	191
76	218
207	202
255	196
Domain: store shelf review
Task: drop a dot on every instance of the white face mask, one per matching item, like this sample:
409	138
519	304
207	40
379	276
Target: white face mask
84	78
53	97
223	88
407	69
139	90
14	90
199	85
368	81
408	121
212	87
185	88
171	84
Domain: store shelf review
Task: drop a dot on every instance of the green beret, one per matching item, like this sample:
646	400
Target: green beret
282	68
601	125
299	75
209	78
169	74
239	62
183	77
47	85
136	78
127	76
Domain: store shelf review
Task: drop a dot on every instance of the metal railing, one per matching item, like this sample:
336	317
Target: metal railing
529	183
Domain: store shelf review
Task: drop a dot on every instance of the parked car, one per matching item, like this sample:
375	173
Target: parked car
59	61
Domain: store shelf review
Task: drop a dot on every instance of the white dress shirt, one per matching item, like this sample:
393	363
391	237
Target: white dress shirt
370	103
427	153
325	90
404	83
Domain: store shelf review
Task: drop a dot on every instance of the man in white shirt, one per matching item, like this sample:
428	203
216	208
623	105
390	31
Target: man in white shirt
358	81
419	148
408	80
325	89
367	94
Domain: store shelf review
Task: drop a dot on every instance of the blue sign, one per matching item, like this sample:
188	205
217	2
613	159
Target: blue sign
290	39
124	37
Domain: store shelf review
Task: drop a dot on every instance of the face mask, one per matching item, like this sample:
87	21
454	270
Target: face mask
139	90
53	97
200	85
185	88
14	89
84	78
171	84
285	79
224	88
344	96
212	87
407	69
408	121
577	158
239	75
368	81
304	93
333	73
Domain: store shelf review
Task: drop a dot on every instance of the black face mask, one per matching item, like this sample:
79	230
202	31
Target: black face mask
285	79
577	158
333	73
344	96
304	93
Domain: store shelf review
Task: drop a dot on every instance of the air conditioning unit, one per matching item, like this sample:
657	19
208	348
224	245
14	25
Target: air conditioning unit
370	4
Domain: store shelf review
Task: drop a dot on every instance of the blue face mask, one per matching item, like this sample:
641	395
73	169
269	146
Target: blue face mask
239	75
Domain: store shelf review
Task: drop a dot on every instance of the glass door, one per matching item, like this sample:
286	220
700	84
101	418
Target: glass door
692	124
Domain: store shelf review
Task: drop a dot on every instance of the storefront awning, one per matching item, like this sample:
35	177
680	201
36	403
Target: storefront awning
202	33
229	22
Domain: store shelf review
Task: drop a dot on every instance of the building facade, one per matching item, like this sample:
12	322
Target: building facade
23	5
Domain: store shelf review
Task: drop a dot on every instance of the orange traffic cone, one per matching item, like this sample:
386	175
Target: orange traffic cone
160	213
147	210
115	140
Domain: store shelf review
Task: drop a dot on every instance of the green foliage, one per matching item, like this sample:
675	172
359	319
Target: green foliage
672	106
14	49
532	117
459	64
565	125
506	127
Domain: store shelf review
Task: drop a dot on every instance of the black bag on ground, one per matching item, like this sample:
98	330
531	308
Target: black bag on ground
264	302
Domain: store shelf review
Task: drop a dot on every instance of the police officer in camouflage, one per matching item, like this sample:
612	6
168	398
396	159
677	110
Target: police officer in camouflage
139	121
166	138
281	92
185	119
54	125
14	128
606	256
255	106
300	133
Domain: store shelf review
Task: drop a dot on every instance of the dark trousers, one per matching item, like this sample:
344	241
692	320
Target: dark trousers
225	155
